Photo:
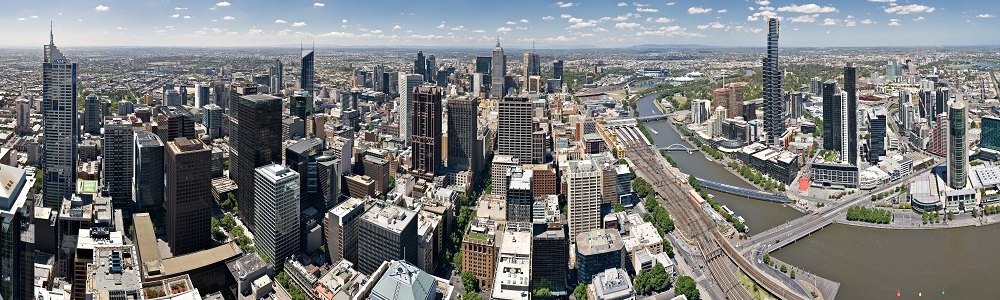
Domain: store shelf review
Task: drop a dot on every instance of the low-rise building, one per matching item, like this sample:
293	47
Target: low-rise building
400	280
513	270
612	284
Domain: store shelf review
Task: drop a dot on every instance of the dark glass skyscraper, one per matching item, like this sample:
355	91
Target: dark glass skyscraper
774	109
832	110
188	190
148	172
307	78
116	150
258	127
463	153
420	65
557	69
277	77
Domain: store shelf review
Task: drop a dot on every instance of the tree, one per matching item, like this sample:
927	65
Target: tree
784	269
687	287
792	274
580	292
618	207
469	282
767	258
542	293
472	296
456	261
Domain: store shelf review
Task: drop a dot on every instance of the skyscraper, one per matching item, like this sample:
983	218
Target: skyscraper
463	151
483	64
832	110
958	153
430	69
301	157
23	107
583	189
202	92
386	232
276	195
774	109
300	105
407	82
211	117
498	68
92	115
514	136
420	65
557	69
876	134
730	97
851	110
258	128
519	195
276	71
60	126
148	172
307	78
116	150
173	122
188	190
531	64
426	131
17	237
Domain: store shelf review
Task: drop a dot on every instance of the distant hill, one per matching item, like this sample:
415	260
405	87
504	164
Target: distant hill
669	46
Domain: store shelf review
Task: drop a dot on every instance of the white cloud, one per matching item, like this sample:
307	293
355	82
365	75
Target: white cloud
805	18
254	32
187	17
663	20
565	16
628	25
763	2
699	10
229	18
668	31
762	14
908	9
561	4
33	17
397	27
457	28
671	3
713	25
175	15
580	25
867	21
319	4
560	38
649	10
504	29
637	4
298	24
180	8
548	18
120	28
575	20
21	19
830	22
280	21
511	23
810	8
525	21
620	4
440	26
479	31
376	31
102	8
343	21
722	11
893	22
599	29
985	16
882	1
919	18
223	4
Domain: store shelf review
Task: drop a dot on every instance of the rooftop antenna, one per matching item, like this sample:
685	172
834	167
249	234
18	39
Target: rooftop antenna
51	37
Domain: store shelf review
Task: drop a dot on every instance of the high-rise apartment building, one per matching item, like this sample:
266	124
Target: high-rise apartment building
774	107
148	172
532	65
583	190
116	151
342	229
277	73
17	237
498	69
876	134
407	84
188	192
850	110
386	232
519	195
426	131
276	197
173	122
832	111
59	126
730	97
958	151
211	117
23	107
258	143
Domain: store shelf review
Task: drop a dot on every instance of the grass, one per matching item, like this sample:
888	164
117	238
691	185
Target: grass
756	291
477	236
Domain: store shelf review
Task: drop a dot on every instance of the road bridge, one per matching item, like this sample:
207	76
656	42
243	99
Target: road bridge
652	118
678	147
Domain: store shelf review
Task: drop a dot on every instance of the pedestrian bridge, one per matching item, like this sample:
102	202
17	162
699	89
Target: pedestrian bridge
743	192
678	147
652	118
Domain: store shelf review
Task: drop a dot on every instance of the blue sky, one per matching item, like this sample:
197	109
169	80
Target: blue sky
517	22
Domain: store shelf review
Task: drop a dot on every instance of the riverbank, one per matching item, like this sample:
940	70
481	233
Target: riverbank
905	219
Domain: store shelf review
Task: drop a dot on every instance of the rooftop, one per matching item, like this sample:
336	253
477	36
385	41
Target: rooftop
598	241
403	281
114	269
612	284
390	216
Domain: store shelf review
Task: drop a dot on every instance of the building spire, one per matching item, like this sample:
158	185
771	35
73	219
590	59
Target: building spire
498	41
51	36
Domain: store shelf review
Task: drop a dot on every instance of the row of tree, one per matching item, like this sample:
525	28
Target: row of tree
740	227
869	215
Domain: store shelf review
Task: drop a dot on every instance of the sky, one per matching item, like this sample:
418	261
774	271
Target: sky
517	23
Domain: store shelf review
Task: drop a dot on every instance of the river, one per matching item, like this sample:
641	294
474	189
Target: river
868	263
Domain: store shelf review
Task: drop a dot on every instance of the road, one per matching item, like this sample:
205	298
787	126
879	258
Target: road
715	250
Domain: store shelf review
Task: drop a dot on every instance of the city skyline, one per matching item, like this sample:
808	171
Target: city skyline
560	24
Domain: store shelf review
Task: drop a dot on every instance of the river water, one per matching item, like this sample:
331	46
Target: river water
868	263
